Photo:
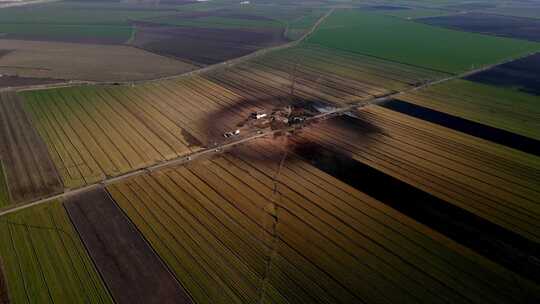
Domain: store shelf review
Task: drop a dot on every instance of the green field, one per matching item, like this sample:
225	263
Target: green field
44	260
501	108
416	44
61	32
80	13
297	27
75	21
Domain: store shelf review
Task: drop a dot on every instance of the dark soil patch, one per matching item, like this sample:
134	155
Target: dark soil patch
505	247
177	2
128	265
384	8
30	172
4	296
16	81
513	27
204	45
522	74
471	6
486	132
4	52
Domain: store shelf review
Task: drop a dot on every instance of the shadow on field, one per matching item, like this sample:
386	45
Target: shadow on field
496	243
231	116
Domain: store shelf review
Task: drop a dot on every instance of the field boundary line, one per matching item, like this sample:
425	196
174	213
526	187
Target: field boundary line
219	149
227	63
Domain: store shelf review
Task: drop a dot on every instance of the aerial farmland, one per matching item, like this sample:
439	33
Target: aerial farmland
269	151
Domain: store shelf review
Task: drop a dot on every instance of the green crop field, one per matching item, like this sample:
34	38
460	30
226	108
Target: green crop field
44	260
297	27
501	108
79	13
108	33
417	44
75	21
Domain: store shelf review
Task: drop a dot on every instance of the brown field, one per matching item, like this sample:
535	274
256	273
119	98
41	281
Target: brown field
129	267
234	230
29	171
204	45
94	132
16	81
495	182
319	74
85	61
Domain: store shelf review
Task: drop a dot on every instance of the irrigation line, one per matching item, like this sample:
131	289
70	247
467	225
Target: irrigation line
275	221
209	151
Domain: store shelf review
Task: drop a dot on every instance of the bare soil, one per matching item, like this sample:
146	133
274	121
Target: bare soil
204	45
17	81
72	61
128	265
513	27
520	74
30	172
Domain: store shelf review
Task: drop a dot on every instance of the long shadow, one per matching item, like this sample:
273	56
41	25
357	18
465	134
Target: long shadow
230	117
496	243
486	132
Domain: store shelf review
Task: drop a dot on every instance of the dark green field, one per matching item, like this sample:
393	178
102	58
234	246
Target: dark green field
416	44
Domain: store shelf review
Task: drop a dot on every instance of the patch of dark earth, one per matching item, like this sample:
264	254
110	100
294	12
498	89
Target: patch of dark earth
495	25
194	15
490	240
204	45
471	6
384	8
522	74
503	137
4	296
4	52
130	268
9	81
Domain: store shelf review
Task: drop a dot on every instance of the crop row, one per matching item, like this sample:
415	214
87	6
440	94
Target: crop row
44	260
320	74
96	132
29	172
492	181
243	228
500	108
93	132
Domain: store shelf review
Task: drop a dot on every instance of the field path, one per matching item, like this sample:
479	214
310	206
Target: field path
219	149
209	68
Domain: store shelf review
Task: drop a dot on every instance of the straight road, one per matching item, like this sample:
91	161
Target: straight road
211	151
208	152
